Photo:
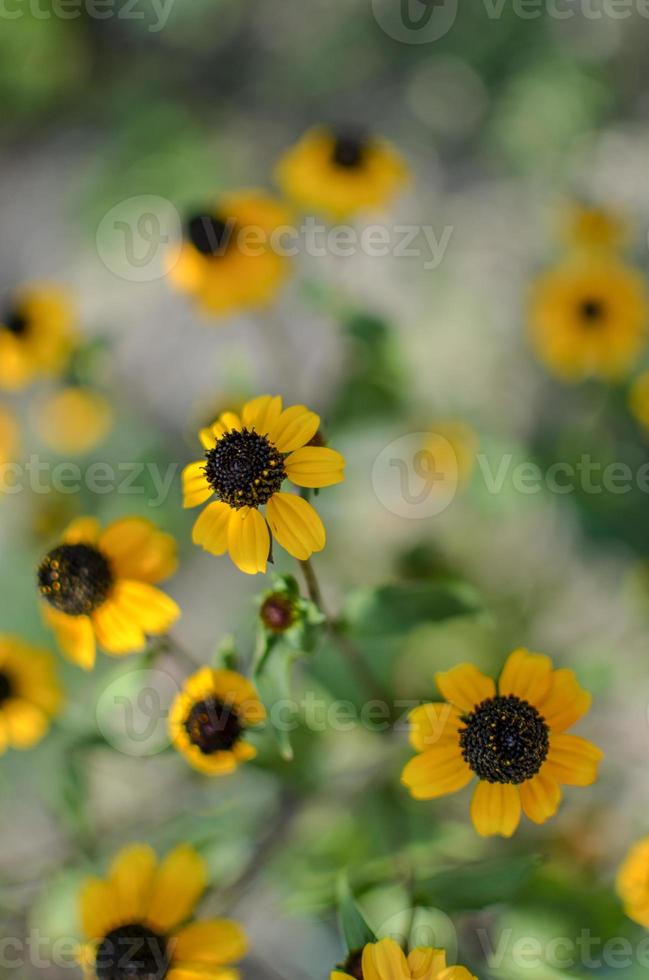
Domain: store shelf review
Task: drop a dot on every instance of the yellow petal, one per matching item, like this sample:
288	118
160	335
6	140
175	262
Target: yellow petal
426	963
74	635
632	881
26	724
465	686
148	608
179	883
215	941
227	422
572	761
207	438
131	876
85	530
526	675
540	797
199	971
211	528
116	632
436	772
261	414
137	549
432	725
496	809
296	525
248	540
97	908
294	428
565	702
384	961
196	489
235	689
456	973
315	466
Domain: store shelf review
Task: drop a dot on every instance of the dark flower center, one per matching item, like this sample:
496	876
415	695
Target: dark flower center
15	322
209	234
353	965
75	579
505	740
277	612
213	726
6	687
244	469
132	952
348	151
592	312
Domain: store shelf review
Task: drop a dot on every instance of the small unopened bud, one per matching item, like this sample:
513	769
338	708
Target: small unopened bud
277	612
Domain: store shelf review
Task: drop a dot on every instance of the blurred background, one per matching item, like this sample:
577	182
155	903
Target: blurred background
504	119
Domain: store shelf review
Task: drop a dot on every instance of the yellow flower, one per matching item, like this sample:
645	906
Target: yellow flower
639	399
633	882
8	436
247	459
588	318
36	336
137	921
230	259
29	693
387	961
452	447
99	586
340	174
209	718
514	741
595	228
74	420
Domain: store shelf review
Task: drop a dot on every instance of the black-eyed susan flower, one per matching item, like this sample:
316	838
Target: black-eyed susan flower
99	586
209	719
386	960
340	173
247	459
232	256
137	922
74	420
588	318
594	228
30	694
36	335
513	739
633	882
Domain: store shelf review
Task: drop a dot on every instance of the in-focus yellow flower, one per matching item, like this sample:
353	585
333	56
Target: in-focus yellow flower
233	257
99	587
36	336
514	741
247	459
588	319
593	228
387	961
639	399
209	718
340	174
137	921
74	420
633	882
30	694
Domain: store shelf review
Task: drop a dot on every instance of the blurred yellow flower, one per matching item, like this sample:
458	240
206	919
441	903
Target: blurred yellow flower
588	318
639	398
513	740
30	694
36	335
99	586
74	420
232	258
247	459
633	882
452	446
594	228
138	921
9	438
386	960
209	718
340	174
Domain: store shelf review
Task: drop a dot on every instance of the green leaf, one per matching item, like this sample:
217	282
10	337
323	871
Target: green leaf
476	886
398	608
354	928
